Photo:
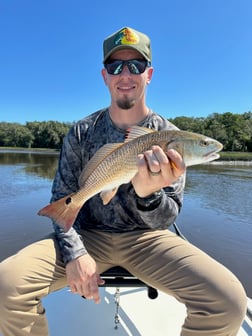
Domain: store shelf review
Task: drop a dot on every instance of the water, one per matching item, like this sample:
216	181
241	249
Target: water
25	183
216	216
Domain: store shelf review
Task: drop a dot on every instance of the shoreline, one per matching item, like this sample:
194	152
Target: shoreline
50	151
29	150
231	162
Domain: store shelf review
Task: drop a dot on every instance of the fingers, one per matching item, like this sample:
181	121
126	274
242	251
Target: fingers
152	161
93	292
176	162
89	290
142	165
156	161
83	278
156	170
94	289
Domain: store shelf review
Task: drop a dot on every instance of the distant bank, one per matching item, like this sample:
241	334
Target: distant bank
225	157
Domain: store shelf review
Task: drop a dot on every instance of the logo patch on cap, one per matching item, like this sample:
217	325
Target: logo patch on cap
126	37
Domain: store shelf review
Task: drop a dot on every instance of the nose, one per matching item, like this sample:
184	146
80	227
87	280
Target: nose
125	71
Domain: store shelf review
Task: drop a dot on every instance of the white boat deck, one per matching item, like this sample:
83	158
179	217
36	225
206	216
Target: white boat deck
70	315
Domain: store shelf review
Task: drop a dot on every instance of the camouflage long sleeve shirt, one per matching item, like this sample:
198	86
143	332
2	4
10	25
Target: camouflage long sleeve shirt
126	211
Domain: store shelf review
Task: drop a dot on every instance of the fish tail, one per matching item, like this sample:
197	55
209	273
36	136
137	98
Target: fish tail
63	212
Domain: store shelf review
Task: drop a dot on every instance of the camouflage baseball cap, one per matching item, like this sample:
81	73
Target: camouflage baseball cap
127	38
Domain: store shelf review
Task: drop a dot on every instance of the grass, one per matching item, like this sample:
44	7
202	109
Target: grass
236	156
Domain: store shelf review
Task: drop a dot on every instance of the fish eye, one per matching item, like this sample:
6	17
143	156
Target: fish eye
68	200
204	143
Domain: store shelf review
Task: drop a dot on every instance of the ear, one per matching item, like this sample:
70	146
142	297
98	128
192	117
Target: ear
104	75
149	75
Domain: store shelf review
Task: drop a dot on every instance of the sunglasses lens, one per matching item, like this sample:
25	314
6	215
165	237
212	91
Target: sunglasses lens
135	67
114	67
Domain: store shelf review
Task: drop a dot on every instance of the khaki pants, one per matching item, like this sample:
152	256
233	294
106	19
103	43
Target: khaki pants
215	300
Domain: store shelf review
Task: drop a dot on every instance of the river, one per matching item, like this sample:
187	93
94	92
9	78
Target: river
216	216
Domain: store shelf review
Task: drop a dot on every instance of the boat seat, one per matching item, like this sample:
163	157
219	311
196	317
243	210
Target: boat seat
118	276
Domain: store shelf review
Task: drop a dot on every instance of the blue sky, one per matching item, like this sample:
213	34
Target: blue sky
51	56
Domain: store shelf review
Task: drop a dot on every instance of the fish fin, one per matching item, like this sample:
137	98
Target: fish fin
136	131
96	159
63	212
107	195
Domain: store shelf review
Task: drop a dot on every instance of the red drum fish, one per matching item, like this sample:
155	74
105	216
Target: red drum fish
116	163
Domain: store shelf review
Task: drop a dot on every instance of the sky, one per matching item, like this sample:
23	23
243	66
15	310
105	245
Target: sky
51	56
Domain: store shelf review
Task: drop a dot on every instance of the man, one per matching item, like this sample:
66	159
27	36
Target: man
130	231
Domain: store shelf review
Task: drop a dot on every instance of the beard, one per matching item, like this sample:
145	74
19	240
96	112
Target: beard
125	103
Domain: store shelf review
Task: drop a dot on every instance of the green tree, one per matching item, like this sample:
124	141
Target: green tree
48	134
15	135
189	124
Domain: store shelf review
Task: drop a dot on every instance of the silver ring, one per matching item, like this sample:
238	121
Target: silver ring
155	173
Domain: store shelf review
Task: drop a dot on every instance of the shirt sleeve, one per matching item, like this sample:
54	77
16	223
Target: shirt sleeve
161	209
66	182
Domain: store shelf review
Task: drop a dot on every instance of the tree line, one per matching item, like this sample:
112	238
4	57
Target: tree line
234	131
45	134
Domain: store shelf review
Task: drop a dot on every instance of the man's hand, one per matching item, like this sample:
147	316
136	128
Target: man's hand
83	278
156	170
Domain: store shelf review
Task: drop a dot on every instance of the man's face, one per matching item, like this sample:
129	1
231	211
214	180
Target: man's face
126	88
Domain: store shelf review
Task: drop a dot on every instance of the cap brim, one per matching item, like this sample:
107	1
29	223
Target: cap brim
121	47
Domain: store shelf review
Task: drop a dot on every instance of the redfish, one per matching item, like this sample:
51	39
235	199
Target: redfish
116	163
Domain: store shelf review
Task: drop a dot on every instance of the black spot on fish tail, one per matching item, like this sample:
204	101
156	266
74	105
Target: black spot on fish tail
68	200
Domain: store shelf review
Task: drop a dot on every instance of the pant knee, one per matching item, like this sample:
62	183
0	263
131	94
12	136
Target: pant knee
236	304
220	311
231	307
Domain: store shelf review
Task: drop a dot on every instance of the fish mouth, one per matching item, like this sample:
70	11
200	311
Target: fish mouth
212	155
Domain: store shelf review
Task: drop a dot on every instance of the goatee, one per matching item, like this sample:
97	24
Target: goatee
125	104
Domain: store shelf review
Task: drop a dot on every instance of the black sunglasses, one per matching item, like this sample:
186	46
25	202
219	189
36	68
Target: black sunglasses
135	66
